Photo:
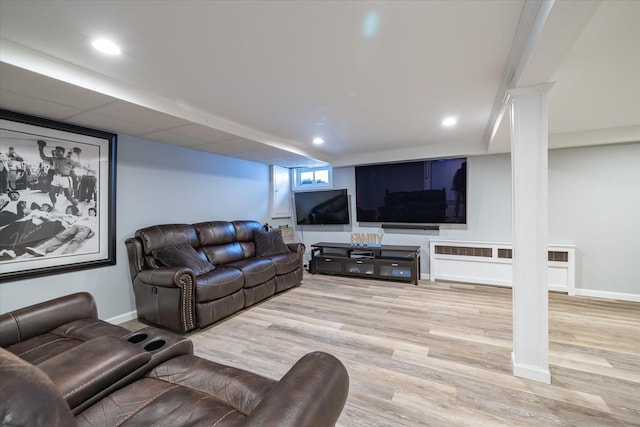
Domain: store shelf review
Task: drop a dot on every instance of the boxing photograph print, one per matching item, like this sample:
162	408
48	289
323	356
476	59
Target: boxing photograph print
57	197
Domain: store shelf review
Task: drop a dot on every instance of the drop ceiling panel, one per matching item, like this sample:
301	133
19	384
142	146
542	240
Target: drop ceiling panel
111	124
233	147
129	112
42	88
18	102
191	135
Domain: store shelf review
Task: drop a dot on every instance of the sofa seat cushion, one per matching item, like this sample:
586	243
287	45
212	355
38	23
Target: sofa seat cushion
185	390
289	280
219	283
255	270
285	263
44	346
152	402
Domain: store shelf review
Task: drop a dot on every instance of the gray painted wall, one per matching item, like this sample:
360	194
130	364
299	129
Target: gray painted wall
594	203
594	199
156	183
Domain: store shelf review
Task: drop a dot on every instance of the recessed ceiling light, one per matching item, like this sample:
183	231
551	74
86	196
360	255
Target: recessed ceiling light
318	141
106	46
449	121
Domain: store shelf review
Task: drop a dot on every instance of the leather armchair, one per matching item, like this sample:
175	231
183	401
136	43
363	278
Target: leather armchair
56	369
182	391
41	331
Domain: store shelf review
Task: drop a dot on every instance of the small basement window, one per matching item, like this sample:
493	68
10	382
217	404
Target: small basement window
310	178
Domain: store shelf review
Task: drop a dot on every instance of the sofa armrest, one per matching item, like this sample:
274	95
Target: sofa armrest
134	255
297	247
166	296
82	372
29	398
162	345
312	393
166	277
37	319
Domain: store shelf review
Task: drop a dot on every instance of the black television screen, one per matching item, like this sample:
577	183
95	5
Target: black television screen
430	191
322	207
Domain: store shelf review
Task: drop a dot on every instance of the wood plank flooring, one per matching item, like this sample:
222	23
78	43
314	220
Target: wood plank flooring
439	354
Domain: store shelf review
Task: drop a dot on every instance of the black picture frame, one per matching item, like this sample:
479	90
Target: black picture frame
41	233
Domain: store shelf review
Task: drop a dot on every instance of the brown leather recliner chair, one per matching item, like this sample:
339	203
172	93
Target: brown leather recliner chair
41	331
183	391
57	370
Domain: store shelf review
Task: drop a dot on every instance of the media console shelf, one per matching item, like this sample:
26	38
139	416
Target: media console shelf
386	262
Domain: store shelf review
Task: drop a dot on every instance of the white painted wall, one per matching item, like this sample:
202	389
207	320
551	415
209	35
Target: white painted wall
156	183
594	203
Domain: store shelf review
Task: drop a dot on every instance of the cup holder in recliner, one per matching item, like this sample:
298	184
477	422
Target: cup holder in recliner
137	338
161	344
155	345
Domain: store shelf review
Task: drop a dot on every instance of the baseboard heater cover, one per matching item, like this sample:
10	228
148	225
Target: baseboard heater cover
411	227
491	263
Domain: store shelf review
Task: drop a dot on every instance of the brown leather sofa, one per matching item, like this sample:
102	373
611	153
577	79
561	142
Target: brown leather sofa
148	377
188	276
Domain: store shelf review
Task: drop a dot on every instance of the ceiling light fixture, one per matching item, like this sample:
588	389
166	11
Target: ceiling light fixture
449	121
318	141
106	46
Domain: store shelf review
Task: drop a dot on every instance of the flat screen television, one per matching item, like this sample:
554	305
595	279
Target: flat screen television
423	192
324	207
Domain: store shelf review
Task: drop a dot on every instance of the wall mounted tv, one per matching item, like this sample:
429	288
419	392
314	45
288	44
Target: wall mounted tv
322	207
424	192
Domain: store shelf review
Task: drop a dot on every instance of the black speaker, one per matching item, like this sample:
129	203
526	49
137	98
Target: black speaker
410	227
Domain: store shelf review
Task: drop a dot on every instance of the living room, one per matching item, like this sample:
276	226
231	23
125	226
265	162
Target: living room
593	204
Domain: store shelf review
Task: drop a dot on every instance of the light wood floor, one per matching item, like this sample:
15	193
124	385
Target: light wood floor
439	354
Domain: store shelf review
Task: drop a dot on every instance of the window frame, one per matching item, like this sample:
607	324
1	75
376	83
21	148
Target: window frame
297	178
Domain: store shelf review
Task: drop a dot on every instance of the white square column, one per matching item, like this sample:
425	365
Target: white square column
529	172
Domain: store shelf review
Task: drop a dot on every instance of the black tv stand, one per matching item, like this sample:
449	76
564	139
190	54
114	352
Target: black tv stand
386	262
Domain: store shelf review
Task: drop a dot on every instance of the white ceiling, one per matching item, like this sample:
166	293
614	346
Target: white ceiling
259	80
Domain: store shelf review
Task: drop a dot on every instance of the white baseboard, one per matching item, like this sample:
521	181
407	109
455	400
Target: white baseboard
121	318
608	295
576	291
529	372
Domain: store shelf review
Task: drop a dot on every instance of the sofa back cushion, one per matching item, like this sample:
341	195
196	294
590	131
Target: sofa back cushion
160	237
215	233
269	243
244	231
218	240
183	255
224	254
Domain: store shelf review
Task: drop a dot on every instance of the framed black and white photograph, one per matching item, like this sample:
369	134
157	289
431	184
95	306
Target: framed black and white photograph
57	197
